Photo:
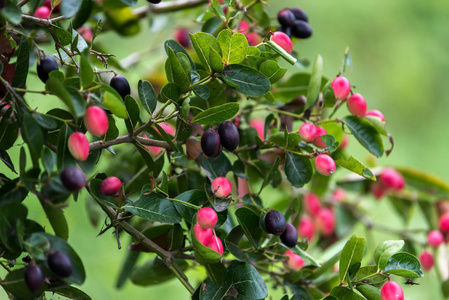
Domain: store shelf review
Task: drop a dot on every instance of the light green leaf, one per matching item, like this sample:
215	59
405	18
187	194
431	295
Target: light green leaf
355	166
234	46
114	104
352	253
315	82
385	250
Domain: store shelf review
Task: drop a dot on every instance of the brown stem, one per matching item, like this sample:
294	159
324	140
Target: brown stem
127	139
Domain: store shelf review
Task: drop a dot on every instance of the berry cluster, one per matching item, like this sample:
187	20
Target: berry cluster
275	224
206	220
294	22
317	217
227	136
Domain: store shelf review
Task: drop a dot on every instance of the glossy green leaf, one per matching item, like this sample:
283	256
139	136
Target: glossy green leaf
306	256
315	82
405	265
385	250
215	61
94	190
57	220
196	197
154	207
71	292
113	131
22	65
9	130
63	157
217	114
178	48
352	253
216	167
185	63
132	110
202	42
366	134
369	274
345	293
354	165
87	74
12	13
69	8
147	95
369	292
71	98
177	72
171	91
249	221
45	121
234	46
38	246
217	9
32	135
201	91
232	241
272	70
115	105
4	157
64	37
298	169
12	214
251	82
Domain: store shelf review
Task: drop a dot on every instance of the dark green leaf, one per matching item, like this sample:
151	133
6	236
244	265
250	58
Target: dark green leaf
32	135
250	81
249	221
37	246
298	169
366	134
178	48
232	241
201	91
154	207
196	197
48	159
345	293
71	293
94	191
352	253
9	129
179	76
147	95
132	109
23	62
87	74
57	220
215	61
45	121
217	114
385	250
12	13
272	70
154	272
112	132
216	167
171	91
64	37
4	157
369	292
69	8
405	265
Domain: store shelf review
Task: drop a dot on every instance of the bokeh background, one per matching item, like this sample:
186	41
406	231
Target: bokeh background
400	54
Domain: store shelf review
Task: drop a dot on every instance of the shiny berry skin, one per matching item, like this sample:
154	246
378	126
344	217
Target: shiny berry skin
341	87
229	135
307	131
299	14
325	165
317	140
306	228
207	217
210	143
73	178
203	235
357	105
444	222
435	238
110	186
78	146
286	17
376	113
216	244
221	187
282	40
259	125
286	30
121	85
182	37
294	261
34	278
45	66
391	291
60	264
42	12
326	221
275	222
426	260
96	121
154	1
301	29
312	204
392	179
290	236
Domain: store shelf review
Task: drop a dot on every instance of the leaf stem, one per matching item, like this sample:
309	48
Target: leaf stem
185	203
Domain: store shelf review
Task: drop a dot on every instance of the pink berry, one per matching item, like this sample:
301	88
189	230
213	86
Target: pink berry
216	244
207	217
341	87
391	291
339	194
259	125
444	222
376	113
243	187
294	261
326	221
325	165
182	37
253	38
344	142
378	190
221	187
435	238
78	146
96	121
426	259
307	131
317	140
306	228
203	235
243	27
392	179
282	40
86	33
110	186
312	204
357	105
42	12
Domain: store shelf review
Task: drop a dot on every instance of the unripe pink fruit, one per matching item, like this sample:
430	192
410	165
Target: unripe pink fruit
306	228
357	105
294	261
243	27
317	140
426	259
307	131
341	87
79	146
259	125
312	204
203	235
253	38
325	165
376	113
444	222
182	37
282	40
221	187
207	217
326	221
216	244
391	291
392	179
435	238
110	186
96	121
42	12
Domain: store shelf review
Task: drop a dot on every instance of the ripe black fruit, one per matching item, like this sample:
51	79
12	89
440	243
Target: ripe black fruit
154	1
73	178
286	17
275	222
45	66
34	278
290	236
229	135
121	85
60	264
299	14
301	29
286	30
210	143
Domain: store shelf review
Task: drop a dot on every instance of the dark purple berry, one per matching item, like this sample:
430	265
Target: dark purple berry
229	135
286	17
60	264
34	278
73	178
121	85
2	3
299	14
286	30
275	222
154	1
290	236
210	143
45	66
301	29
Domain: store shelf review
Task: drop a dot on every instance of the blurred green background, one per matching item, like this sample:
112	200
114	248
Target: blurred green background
400	60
